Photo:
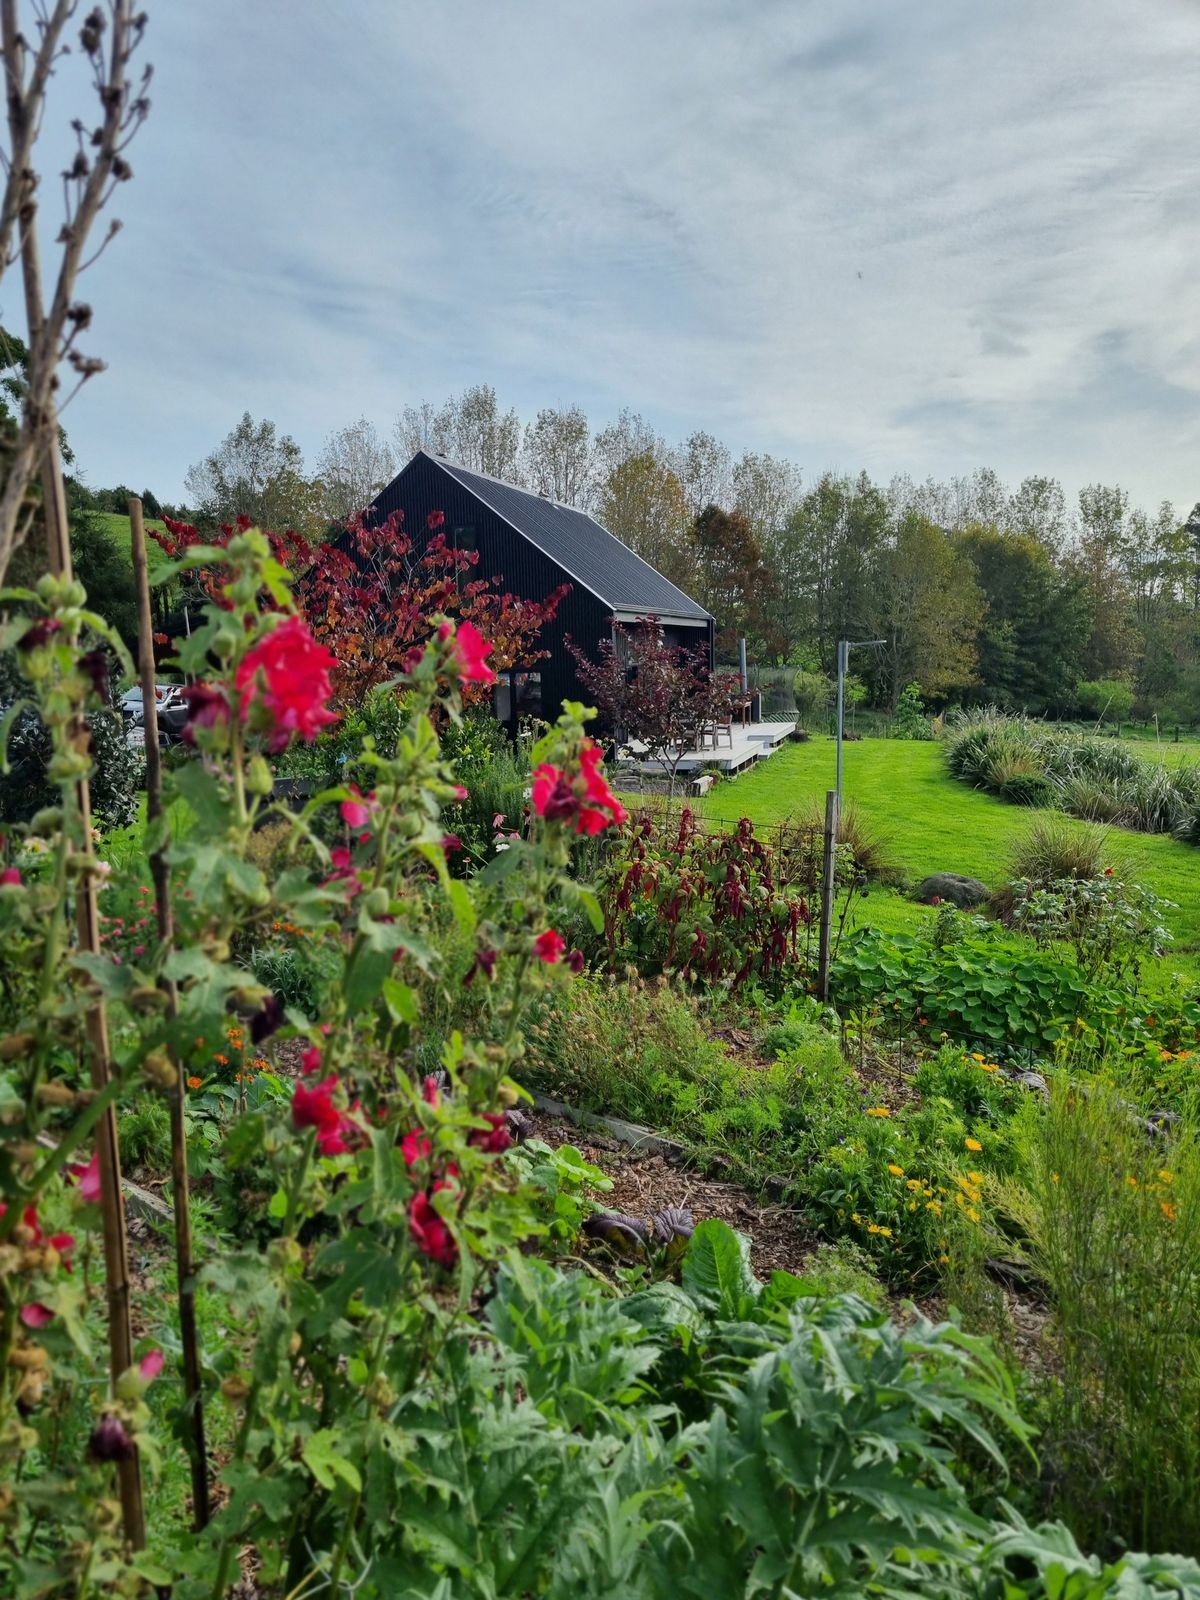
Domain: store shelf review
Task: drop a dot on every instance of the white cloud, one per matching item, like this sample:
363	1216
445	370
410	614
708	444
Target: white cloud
912	236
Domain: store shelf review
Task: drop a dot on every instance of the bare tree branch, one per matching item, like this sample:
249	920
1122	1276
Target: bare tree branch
109	36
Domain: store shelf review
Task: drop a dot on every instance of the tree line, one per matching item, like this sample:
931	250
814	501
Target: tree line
980	591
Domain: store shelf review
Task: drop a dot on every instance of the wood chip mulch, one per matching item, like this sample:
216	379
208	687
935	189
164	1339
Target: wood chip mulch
643	1184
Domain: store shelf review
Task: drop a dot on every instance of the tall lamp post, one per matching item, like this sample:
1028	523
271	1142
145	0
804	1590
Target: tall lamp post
844	648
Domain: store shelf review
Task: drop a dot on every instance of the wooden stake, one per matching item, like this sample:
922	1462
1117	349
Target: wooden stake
112	1204
828	872
160	875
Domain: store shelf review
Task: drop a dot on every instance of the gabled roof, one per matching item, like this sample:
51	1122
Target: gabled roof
584	550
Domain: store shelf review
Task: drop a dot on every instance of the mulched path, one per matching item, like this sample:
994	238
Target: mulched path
643	1184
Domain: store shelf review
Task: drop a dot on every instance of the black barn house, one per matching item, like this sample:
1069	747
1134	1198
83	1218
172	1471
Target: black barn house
532	545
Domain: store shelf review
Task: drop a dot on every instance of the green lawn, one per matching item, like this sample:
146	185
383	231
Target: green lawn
117	528
933	823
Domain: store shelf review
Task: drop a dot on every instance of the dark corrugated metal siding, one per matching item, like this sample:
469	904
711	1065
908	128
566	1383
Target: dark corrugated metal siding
427	485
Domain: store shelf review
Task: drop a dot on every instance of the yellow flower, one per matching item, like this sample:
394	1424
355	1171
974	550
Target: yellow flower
878	1111
975	1056
854	1217
884	1233
1132	1182
896	1172
935	1206
1054	1177
972	1213
912	1205
943	1261
988	1066
1166	1177
1167	1209
973	1144
975	1177
914	1184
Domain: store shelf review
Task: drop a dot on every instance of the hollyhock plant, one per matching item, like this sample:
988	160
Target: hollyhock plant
313	1107
495	1138
356	811
285	677
207	708
10	878
587	800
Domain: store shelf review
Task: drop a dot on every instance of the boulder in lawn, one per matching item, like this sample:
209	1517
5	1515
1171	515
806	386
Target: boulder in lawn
952	886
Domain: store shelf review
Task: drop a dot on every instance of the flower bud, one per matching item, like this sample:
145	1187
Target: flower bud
30	1391
377	902
28	1357
235	1389
159	1070
55	1094
259	779
110	1441
46	821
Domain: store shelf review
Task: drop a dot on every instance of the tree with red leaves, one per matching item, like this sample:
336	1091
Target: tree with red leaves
368	598
663	695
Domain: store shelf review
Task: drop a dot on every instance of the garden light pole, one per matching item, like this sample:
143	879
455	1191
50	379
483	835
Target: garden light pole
844	648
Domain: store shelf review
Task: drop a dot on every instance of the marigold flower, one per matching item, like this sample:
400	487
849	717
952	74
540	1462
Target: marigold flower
973	1144
222	1061
896	1172
194	1082
878	1111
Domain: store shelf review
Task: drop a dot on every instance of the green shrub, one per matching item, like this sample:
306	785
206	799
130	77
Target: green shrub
1105	697
910	720
866	849
1028	789
144	1134
813	694
839	1266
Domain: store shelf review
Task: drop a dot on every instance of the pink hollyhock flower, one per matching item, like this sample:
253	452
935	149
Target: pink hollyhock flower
601	805
415	1146
589	800
64	1243
88	1179
35	1314
429	1231
10	878
553	797
310	1060
287	676
356	812
151	1365
451	843
549	946
470	648
495	1138
429	1091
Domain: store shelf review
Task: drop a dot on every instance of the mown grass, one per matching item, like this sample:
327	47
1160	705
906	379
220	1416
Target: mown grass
118	530
937	824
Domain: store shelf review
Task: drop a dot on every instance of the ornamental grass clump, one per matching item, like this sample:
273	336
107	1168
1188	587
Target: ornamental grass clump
1112	1217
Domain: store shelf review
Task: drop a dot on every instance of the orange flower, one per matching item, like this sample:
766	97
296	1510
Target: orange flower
195	1083
222	1061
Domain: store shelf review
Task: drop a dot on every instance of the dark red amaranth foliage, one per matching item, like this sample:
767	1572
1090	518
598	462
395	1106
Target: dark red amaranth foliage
714	906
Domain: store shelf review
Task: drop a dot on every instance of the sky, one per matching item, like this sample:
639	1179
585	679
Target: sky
902	235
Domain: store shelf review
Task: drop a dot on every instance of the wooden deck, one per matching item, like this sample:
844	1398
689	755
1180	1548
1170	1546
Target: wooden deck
755	742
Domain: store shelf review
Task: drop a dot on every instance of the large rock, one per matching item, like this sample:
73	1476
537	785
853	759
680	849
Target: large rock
952	886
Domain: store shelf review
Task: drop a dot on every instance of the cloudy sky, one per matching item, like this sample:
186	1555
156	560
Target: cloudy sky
905	235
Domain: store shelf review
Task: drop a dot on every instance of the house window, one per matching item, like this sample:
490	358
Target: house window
464	541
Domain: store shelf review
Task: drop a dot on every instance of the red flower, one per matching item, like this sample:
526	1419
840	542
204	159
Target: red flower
286	675
415	1146
451	843
430	1233
36	1315
314	1108
576	962
435	520
343	870
589	800
470	647
1108	872
429	1091
64	1243
207	706
10	878
549	946
495	1138
39	633
485	962
310	1060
